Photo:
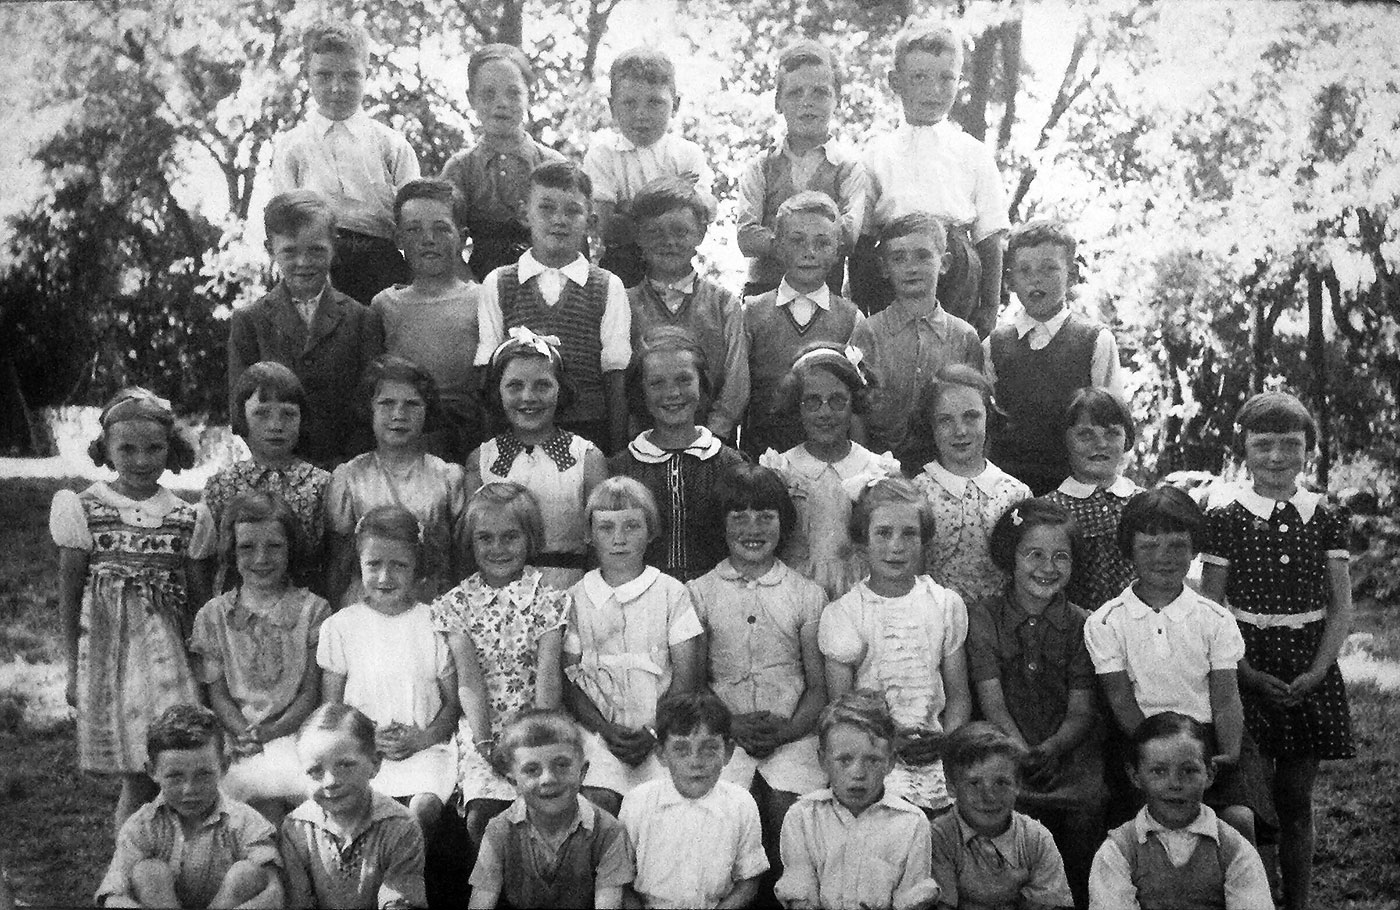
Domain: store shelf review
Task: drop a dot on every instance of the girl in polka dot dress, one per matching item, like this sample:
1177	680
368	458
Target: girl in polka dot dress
1278	553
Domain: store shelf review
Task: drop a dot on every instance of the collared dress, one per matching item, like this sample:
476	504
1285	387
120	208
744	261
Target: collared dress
301	485
505	625
135	617
965	510
1020	866
1278	588
1102	571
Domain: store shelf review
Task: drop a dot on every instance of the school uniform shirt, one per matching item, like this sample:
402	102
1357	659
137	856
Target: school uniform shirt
357	163
832	858
620	169
937	169
1166	653
379	865
691	852
977	872
1113	881
232	832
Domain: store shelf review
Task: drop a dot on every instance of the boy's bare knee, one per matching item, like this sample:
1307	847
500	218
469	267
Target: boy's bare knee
243	881
1241	818
426	807
152	881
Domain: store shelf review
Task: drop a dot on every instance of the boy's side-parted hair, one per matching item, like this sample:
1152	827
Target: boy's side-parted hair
498	51
644	64
1166	725
270	381
393	368
1018	521
335	36
666	194
883	492
828	358
136	403
971	744
1164	510
807	202
659	340
684	713
914	223
1042	232
864	709
743	486
508	496
336	716
254	506
182	726
288	213
618	493
532	728
929	36
563	175
432	188
1104	409
805	52
1274	412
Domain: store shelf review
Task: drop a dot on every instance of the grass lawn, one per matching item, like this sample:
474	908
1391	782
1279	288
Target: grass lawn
57	834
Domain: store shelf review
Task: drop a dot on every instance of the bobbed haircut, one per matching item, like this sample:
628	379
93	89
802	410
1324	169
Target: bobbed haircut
618	493
1016	522
667	194
532	728
807	202
685	713
335	36
920	444
182	726
929	36
829	358
393	368
563	175
743	486
1102	408
886	491
270	381
289	213
391	523
914	223
665	339
1274	412
507	53
1042	232
511	497
513	349
1168	725
642	64
971	744
806	52
246	508
1163	510
863	709
338	717
179	454
434	189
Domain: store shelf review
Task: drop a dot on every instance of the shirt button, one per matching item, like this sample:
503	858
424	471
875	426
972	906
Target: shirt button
1283	529
753	619
1031	665
1031	621
1283	559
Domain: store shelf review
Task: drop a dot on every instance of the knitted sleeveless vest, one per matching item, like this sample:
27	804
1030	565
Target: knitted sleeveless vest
1198	885
568	884
576	320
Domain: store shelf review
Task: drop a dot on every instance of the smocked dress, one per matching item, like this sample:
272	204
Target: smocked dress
965	510
1278	589
897	646
135	617
1102	571
821	549
506	625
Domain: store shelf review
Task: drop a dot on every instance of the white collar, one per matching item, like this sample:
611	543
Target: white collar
599	591
856	460
987	481
1305	501
1176	611
576	271
910	131
1122	488
685	285
705	447
787	294
1205	824
323	124
774	576
1024	323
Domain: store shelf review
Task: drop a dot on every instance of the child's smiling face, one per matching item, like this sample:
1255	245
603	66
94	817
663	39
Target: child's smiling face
304	257
530	397
1274	461
1040	279
807	99
500	98
548	778
669	242
1173	774
807	244
138	451
959	421
752	536
1095	451
500	545
559	220
986	794
338	770
1044	561
642	110
695	760
913	264
1162	560
927	85
261	550
671	385
337	80
826	408
894	544
428	235
388	570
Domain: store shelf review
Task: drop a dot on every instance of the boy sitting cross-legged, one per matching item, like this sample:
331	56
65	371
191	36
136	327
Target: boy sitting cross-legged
191	846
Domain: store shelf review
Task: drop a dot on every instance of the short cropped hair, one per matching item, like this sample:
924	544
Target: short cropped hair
914	223
434	189
1016	522
1042	232
1164	510
391	523
508	496
532	728
831	359
807	202
1103	409
270	381
643	64
245	508
663	339
864	709
563	175
971	744
685	713
336	716
288	213
393	368
183	726
666	194
928	36
618	493
1274	412
883	492
743	486
514	349
508	53
806	52
1169	724
335	36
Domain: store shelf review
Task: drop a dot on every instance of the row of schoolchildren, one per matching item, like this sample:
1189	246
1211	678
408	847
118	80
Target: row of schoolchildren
894	631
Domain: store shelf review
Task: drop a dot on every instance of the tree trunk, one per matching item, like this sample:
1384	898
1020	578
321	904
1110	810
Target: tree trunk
510	28
973	115
1317	363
